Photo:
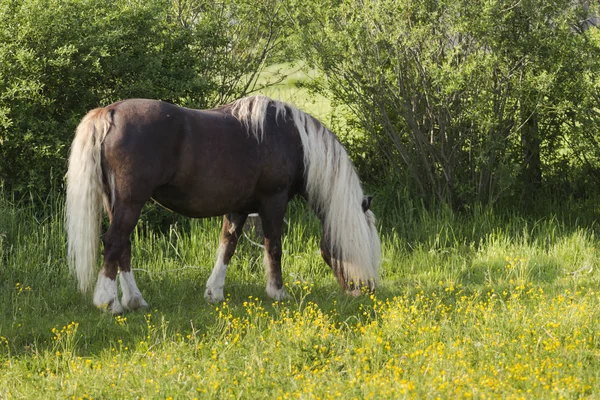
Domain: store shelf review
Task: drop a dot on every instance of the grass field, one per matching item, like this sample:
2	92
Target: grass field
483	306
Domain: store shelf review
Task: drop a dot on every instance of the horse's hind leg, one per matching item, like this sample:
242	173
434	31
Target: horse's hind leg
116	252
132	297
230	233
272	214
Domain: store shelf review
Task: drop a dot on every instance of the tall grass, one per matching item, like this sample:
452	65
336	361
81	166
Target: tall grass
481	304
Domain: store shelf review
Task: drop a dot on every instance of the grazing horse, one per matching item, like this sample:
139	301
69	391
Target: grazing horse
252	155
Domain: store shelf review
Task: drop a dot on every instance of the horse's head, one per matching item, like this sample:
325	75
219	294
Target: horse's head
366	203
336	260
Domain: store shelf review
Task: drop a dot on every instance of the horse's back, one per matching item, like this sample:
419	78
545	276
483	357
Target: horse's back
198	162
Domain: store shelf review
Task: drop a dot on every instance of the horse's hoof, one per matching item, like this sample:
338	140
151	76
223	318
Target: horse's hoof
117	310
214	295
134	303
363	287
109	304
106	295
113	307
276	294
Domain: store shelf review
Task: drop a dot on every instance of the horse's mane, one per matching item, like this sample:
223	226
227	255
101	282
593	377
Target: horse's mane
333	187
252	113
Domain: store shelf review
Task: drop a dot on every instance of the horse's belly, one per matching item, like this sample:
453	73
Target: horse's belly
204	203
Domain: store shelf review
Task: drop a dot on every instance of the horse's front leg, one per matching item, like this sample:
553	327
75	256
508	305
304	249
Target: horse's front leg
272	214
230	233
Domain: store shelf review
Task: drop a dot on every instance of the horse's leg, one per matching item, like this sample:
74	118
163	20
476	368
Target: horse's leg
116	243
231	231
331	261
272	214
132	297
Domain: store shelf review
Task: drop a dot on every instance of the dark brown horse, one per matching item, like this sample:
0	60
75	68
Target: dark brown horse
250	156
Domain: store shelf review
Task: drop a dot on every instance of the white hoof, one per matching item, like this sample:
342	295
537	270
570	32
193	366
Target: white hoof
106	296
214	295
276	294
132	297
134	302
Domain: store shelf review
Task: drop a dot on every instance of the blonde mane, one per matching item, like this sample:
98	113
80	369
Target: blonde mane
333	188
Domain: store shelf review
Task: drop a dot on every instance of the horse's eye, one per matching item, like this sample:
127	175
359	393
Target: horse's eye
366	203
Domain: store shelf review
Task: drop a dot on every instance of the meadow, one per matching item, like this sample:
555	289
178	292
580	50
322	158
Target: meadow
487	101
482	305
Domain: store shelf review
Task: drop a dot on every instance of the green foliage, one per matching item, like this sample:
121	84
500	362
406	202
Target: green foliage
461	102
59	59
466	102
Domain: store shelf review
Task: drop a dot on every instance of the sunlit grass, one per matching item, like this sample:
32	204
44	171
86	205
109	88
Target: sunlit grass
482	306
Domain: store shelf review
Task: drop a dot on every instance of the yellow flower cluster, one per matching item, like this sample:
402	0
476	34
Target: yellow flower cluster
520	340
67	330
20	288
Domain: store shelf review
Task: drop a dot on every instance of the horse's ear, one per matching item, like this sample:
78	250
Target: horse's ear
366	203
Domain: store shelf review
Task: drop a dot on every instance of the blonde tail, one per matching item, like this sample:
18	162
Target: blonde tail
84	195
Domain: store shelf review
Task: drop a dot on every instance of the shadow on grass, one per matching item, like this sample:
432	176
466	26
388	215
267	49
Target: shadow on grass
31	319
177	308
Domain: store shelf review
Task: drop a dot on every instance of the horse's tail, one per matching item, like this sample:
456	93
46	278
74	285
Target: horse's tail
84	195
333	190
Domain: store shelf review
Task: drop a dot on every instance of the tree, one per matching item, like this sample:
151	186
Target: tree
466	101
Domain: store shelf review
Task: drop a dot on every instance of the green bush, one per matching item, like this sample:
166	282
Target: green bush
61	58
465	102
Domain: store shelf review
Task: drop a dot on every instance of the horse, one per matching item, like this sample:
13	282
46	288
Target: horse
250	156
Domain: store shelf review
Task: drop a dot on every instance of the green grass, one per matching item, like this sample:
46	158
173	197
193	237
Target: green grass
481	305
